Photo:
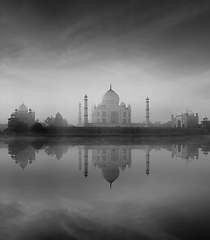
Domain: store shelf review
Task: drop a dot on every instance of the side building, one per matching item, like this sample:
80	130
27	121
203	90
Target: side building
186	119
22	114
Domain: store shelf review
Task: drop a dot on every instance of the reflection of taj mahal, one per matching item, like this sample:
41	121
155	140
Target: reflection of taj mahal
110	112
110	159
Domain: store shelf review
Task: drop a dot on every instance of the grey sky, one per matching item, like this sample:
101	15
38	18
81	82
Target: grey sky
52	53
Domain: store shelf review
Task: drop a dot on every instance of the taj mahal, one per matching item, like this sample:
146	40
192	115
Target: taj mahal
110	112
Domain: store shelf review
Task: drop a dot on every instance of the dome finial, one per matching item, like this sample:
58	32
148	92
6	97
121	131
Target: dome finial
110	86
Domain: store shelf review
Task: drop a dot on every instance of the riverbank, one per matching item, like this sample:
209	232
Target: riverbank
108	140
115	131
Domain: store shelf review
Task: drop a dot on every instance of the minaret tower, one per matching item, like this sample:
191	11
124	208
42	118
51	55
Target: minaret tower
79	116
147	160
85	162
147	112
85	110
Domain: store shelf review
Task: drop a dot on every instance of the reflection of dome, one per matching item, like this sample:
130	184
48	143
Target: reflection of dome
23	163
123	166
110	97
111	174
22	108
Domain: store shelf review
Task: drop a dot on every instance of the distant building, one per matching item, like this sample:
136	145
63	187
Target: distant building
205	123
186	119
22	114
57	121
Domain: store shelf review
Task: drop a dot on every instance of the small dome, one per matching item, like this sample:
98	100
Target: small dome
110	97
186	110
58	114
122	104
22	108
191	113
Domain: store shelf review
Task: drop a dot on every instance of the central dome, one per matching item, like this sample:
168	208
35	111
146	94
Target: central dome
23	108
110	97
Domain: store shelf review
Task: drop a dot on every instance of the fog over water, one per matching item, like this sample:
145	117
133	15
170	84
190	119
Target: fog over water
76	189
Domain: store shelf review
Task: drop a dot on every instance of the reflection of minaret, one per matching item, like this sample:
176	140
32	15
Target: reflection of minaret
85	162
79	115
147	160
147	112
85	110
80	157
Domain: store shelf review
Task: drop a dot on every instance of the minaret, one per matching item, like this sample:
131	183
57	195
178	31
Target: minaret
85	162
85	110
79	116
147	160
147	112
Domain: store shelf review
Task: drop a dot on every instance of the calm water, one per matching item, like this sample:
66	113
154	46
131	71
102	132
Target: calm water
60	190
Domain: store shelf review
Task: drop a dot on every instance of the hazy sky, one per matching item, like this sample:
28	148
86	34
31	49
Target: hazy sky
52	53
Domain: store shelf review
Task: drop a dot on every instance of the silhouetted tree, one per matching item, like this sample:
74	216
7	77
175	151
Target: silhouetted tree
36	127
17	126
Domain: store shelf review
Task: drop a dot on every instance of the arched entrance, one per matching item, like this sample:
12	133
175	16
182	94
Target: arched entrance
114	117
179	123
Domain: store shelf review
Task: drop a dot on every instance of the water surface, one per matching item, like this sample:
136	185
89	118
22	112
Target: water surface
99	189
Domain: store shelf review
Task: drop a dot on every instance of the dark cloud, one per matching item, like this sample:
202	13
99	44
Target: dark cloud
10	214
178	226
90	31
186	220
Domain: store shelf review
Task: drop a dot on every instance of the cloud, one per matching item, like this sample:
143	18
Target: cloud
10	214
